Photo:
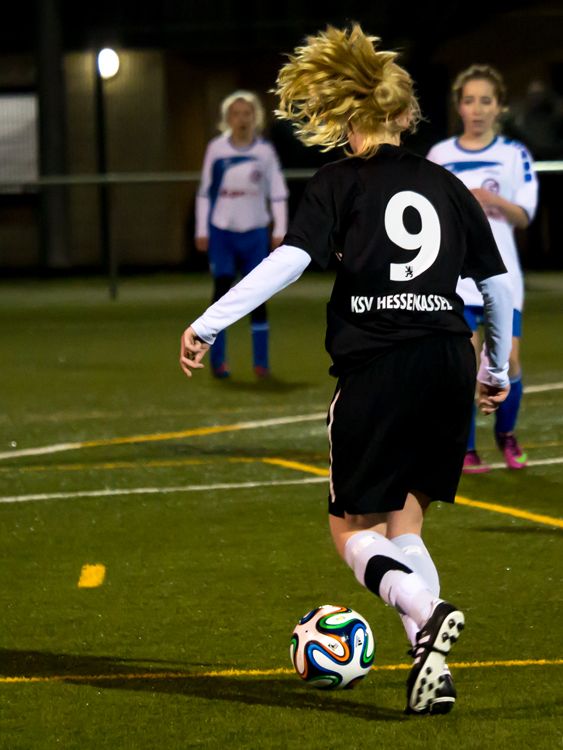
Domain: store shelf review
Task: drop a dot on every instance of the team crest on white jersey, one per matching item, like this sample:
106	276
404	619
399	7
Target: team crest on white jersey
491	185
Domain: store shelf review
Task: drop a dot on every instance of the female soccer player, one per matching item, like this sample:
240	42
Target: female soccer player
240	174
499	172
405	230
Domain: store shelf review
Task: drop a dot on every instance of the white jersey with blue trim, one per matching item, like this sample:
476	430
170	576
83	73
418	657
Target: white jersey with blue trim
236	184
505	167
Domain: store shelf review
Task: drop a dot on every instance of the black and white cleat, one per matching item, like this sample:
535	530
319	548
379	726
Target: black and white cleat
446	695
429	689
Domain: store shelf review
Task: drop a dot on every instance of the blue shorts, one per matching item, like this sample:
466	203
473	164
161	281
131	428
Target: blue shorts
474	315
232	252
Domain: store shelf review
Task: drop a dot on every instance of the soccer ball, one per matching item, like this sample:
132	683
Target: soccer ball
332	647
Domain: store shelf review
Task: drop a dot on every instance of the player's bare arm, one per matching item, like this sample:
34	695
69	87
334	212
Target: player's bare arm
514	214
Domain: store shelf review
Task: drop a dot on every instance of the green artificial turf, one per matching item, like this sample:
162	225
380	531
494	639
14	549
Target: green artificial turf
203	586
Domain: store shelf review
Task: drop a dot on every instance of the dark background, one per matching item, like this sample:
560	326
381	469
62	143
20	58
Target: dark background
179	60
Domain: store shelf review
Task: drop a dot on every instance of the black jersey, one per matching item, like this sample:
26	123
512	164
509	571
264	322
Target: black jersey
405	230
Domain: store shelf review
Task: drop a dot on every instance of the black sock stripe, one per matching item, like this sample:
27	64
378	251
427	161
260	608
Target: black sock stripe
376	568
259	315
222	284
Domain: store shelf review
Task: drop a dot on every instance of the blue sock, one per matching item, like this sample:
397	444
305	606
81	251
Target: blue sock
507	412
471	441
260	333
217	353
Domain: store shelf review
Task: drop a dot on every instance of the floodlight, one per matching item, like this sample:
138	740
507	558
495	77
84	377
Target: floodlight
108	63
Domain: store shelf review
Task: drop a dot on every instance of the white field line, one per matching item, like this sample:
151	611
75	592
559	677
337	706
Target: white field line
41	451
539	462
207	487
160	490
544	387
60	447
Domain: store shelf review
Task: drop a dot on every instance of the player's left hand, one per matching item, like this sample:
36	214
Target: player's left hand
276	242
485	197
192	351
489	202
489	397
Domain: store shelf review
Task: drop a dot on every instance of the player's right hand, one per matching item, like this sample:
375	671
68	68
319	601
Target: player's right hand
192	350
489	397
202	244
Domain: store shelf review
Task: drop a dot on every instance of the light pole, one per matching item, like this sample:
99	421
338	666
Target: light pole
51	89
107	65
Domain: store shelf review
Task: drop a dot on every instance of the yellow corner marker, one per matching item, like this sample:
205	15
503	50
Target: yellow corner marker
91	576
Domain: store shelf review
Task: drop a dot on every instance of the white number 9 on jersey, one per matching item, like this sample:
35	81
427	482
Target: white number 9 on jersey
427	241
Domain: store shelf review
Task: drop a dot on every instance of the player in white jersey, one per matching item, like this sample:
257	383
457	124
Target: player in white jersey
241	181
404	230
500	173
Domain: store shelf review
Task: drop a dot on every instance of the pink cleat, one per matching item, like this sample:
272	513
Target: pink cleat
472	464
513	455
221	372
261	372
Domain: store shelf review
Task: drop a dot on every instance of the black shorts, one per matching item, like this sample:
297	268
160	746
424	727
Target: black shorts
401	423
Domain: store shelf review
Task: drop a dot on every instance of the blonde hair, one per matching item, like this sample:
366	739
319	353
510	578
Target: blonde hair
479	73
339	81
247	96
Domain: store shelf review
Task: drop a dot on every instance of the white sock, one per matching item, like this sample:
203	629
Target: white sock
409	595
411	629
421	563
419	560
383	568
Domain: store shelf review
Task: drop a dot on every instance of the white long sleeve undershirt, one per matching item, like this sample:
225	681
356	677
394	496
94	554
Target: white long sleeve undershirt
202	208
279	214
280	269
498	309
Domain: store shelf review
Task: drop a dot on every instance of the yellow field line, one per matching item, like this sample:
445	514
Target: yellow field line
190	462
541	445
114	465
296	465
266	672
510	663
161	436
49	449
165	464
126	465
547	520
507	510
319	471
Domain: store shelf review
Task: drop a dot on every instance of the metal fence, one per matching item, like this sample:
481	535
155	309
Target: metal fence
145	219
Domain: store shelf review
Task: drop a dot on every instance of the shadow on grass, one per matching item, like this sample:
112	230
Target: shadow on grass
128	674
46	664
264	385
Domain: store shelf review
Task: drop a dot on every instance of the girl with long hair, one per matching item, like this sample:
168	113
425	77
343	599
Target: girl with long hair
242	189
404	230
499	172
